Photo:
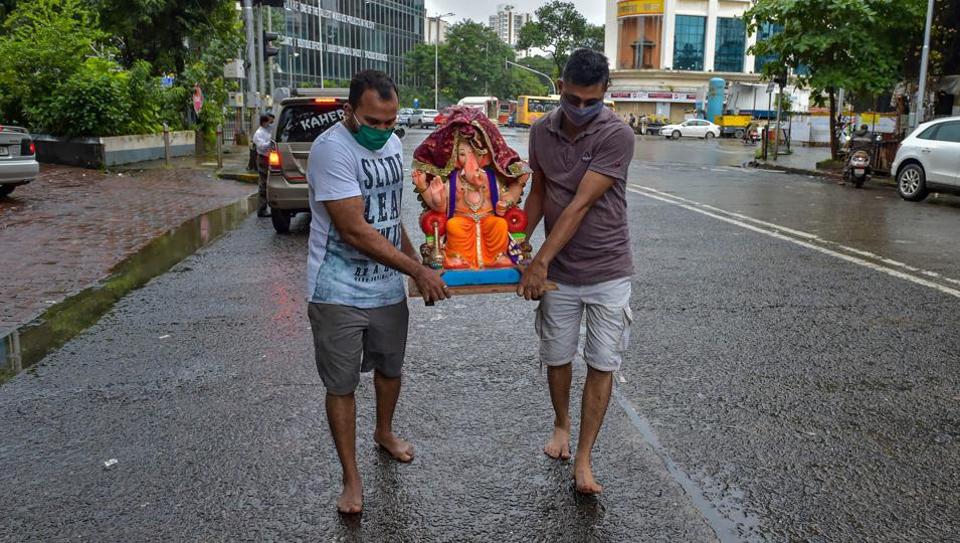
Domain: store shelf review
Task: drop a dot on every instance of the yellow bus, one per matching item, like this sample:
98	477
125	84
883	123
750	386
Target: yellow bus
531	108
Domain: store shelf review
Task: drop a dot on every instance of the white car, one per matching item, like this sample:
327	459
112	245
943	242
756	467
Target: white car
429	118
928	160
403	117
694	128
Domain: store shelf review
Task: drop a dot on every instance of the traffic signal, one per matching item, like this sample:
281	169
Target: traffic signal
268	49
271	3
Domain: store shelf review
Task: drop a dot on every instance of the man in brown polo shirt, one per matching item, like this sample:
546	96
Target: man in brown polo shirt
579	154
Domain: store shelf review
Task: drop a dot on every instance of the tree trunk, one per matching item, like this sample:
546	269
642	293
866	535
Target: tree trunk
834	142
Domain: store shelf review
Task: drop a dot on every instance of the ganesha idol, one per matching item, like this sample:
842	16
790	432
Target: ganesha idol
470	184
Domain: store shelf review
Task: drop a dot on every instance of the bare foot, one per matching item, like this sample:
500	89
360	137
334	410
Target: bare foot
559	445
399	449
585	483
351	499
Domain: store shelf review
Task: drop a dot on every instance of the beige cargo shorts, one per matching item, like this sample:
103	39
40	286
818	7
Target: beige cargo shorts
608	319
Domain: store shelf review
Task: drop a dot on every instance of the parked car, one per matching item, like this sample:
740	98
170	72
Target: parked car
928	160
694	128
18	159
415	118
429	118
300	120
403	117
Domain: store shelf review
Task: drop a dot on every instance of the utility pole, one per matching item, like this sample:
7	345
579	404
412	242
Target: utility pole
261	71
270	60
252	69
924	60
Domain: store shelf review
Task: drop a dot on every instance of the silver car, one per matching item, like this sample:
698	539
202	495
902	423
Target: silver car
928	160
403	117
18	159
429	118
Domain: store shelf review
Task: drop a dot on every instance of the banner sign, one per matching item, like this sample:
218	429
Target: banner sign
653	96
632	8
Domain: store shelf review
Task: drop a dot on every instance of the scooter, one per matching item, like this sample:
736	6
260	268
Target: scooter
860	158
858	167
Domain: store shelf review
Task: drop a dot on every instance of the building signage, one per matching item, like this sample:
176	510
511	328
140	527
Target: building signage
314	10
317	46
632	8
653	96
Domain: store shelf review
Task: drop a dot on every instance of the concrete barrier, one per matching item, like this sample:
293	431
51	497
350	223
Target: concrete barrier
99	152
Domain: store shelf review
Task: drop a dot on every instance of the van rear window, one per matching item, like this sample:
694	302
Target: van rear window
307	121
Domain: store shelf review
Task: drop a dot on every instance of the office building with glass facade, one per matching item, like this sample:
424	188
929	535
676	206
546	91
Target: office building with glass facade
664	52
333	39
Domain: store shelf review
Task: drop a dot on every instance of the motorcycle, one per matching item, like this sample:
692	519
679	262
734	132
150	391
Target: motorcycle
860	158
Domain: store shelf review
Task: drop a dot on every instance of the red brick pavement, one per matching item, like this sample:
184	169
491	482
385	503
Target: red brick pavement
71	226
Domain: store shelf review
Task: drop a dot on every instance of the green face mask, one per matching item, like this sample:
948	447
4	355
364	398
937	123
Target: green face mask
371	138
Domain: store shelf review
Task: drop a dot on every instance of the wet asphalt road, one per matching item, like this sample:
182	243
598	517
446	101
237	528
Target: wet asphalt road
774	391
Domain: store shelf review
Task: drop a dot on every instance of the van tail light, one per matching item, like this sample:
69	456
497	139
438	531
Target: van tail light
324	100
274	159
28	148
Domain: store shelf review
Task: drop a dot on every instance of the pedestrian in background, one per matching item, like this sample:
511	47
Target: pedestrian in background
580	153
262	141
359	252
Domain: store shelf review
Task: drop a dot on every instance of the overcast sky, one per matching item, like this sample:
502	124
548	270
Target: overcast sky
481	11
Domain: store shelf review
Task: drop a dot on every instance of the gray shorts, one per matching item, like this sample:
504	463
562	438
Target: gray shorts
608	318
348	340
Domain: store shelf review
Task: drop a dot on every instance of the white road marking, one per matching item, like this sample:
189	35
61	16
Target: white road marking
791	235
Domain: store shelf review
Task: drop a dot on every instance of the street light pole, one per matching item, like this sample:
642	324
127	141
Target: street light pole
553	86
436	62
924	60
252	62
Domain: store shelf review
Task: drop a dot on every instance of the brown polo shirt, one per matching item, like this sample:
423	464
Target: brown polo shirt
600	250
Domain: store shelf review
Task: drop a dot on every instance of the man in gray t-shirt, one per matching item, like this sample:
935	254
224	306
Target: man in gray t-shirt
358	253
579	154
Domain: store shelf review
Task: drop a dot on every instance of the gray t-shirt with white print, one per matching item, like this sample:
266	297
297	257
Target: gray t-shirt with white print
340	168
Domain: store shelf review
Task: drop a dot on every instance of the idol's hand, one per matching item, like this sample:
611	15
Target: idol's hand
436	188
533	281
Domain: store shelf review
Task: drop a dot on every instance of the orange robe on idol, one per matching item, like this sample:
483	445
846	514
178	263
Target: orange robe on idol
478	238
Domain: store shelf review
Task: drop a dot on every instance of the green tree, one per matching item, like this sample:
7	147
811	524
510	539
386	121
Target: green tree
170	34
471	64
856	45
45	43
558	30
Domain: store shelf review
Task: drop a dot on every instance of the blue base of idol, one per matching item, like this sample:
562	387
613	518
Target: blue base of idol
466	278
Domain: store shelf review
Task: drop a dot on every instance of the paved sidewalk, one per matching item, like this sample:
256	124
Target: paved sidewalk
801	158
70	227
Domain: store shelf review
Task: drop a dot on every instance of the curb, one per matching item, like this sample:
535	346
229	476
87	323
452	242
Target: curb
834	176
238	175
27	344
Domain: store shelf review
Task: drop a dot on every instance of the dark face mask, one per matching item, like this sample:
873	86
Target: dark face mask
580	116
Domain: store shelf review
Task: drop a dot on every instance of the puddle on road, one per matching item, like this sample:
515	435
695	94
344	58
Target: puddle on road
63	321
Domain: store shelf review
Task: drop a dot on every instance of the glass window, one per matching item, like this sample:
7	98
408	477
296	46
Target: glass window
767	30
640	40
307	121
949	132
688	45
929	133
731	45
